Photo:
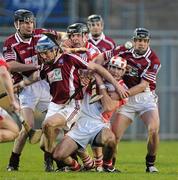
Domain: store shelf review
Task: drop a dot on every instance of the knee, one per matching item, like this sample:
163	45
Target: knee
47	124
118	135
58	155
153	133
16	134
118	138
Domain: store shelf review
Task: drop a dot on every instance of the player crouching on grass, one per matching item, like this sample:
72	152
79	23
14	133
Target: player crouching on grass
93	126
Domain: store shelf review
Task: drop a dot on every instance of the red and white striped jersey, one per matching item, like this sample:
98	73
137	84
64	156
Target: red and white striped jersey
63	77
139	67
90	54
103	43
15	49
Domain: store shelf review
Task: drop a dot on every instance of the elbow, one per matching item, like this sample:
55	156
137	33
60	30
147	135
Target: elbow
99	59
143	88
3	72
144	85
10	66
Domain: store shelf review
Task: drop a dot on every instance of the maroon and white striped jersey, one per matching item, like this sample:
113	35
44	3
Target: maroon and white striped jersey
139	67
63	77
15	49
103	43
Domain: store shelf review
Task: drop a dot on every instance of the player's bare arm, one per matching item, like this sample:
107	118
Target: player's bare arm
106	75
7	82
138	88
34	77
15	66
99	59
108	101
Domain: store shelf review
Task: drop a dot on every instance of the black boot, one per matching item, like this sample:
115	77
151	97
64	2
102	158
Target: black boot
49	167
13	162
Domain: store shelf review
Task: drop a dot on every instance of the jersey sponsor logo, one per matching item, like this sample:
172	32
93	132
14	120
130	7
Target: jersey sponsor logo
131	71
156	66
28	48
31	60
55	75
84	56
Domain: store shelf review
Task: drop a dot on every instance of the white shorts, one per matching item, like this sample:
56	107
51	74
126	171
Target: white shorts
70	112
139	104
86	129
36	96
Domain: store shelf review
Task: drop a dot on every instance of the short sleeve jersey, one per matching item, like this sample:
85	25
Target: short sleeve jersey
63	77
15	49
139	67
103	43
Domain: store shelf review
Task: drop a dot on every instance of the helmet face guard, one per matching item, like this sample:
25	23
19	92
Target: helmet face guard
141	33
76	28
43	47
44	44
85	29
23	15
94	18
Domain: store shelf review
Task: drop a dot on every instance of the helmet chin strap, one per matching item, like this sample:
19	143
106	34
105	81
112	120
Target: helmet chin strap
24	36
96	36
138	52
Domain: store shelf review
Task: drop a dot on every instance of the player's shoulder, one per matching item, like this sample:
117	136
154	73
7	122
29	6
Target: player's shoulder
10	42
153	56
91	46
10	38
109	39
39	31
121	49
67	56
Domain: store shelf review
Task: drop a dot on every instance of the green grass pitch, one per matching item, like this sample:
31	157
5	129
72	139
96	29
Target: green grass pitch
130	161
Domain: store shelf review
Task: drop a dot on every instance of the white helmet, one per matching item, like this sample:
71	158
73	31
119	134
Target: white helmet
118	62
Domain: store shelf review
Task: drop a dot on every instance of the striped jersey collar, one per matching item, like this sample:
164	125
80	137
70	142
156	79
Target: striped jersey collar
19	39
